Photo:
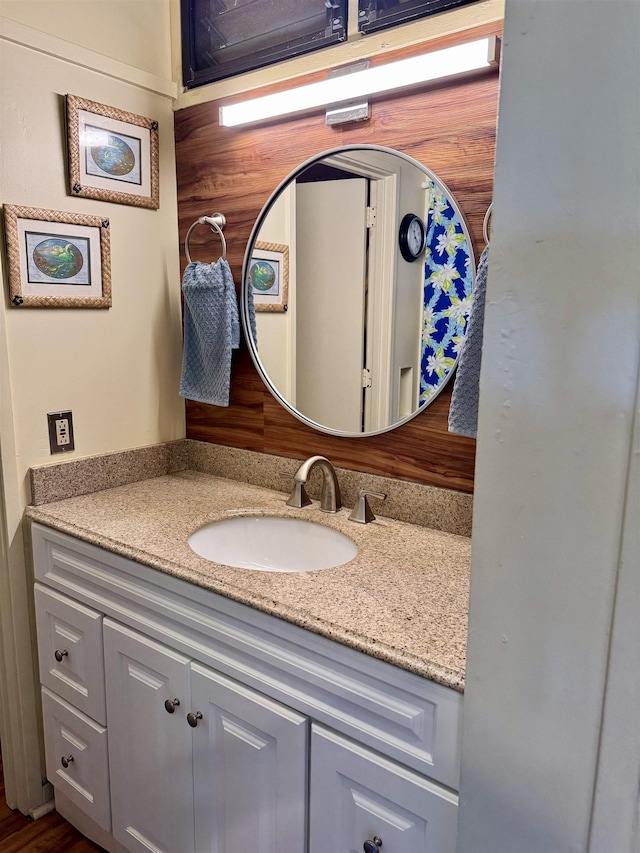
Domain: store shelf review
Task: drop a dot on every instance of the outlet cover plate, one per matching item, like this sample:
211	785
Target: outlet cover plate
61	438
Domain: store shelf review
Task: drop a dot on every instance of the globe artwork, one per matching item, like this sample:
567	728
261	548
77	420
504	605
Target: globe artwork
115	158
57	258
262	276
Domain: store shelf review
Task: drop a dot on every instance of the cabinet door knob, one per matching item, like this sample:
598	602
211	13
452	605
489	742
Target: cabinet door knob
66	760
170	705
192	718
59	654
372	845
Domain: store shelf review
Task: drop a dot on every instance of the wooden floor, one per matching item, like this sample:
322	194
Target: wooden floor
49	834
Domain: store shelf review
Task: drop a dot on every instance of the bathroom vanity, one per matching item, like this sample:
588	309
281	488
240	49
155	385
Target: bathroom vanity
194	707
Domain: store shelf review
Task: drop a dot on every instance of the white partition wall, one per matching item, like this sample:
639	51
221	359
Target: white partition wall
558	394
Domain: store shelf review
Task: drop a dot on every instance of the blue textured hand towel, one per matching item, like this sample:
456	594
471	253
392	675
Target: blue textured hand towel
251	311
463	414
211	331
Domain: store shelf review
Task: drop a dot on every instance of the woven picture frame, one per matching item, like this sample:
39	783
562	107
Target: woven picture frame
57	259
113	154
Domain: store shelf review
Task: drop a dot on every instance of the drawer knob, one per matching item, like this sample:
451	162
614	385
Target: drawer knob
66	760
192	718
372	845
170	705
59	654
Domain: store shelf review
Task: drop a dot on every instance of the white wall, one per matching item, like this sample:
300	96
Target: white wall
558	391
136	32
117	369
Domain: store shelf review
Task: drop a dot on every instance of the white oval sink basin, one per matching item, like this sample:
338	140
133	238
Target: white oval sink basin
272	544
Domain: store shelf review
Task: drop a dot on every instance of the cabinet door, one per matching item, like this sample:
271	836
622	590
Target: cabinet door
149	748
358	796
250	769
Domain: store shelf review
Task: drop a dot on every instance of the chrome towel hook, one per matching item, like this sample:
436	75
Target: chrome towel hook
216	223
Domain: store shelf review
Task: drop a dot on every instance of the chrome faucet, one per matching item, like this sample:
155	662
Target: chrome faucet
330	500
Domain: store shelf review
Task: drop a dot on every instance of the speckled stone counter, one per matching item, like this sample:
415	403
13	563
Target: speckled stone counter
402	599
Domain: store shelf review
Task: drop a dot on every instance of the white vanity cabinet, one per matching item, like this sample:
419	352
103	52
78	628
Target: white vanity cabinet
196	724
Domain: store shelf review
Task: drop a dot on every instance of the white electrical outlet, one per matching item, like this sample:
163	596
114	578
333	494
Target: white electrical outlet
60	432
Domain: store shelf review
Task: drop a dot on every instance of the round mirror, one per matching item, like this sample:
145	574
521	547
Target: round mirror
356	290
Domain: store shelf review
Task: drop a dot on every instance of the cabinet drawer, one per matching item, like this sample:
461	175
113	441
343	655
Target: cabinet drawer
72	739
70	651
358	795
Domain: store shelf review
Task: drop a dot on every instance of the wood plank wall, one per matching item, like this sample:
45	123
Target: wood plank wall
451	130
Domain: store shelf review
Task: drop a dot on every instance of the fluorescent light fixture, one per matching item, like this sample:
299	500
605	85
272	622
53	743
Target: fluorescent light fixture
462	58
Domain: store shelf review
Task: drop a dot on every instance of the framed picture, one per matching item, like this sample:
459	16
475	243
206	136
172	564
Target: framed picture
57	260
113	155
269	276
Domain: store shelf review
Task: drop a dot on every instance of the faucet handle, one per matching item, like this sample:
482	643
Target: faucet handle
362	511
298	497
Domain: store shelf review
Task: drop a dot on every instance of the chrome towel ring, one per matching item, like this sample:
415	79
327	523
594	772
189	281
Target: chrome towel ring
216	223
485	224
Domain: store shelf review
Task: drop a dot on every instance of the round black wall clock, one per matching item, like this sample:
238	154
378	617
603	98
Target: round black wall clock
411	237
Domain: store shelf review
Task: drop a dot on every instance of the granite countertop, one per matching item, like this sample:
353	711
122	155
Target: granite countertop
403	598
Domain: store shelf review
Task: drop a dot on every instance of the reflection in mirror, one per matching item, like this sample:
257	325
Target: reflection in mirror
360	309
